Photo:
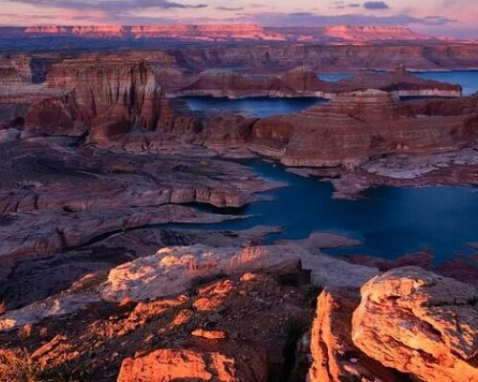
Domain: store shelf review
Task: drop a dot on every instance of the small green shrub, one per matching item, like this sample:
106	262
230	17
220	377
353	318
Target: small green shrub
20	366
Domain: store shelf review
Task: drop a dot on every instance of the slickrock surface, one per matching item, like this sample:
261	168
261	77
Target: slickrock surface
215	361
36	279
421	324
173	270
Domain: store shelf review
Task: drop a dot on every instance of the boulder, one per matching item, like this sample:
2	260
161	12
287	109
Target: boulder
213	361
421	324
335	357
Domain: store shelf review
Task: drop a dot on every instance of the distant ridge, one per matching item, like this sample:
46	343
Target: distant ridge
217	32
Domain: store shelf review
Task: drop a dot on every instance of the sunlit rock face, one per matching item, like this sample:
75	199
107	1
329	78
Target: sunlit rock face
215	361
406	324
335	357
420	324
361	34
111	95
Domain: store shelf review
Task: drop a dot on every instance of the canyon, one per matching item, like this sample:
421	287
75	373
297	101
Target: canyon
112	190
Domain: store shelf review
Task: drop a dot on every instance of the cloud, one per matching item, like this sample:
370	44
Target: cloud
439	20
110	6
376	5
230	9
307	18
343	5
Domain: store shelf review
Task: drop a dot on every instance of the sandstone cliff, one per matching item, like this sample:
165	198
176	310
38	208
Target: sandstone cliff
110	96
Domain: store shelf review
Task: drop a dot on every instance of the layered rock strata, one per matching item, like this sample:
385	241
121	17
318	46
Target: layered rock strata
356	126
110	95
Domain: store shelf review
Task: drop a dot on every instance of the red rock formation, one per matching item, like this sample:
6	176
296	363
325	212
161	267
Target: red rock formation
408	324
355	126
226	32
227	130
335	357
224	83
111	96
55	116
420	324
212	32
361	34
215	361
298	82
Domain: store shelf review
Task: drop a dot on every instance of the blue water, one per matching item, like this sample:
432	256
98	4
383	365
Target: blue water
334	77
257	107
468	79
389	221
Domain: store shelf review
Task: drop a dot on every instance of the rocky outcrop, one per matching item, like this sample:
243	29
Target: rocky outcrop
227	131
301	81
407	324
335	357
361	34
215	361
175	270
201	325
420	324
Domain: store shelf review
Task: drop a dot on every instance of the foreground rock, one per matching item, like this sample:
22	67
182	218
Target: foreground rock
405	325
421	324
335	357
101	337
175	270
215	361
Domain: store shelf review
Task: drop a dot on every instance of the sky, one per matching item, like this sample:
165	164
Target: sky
457	18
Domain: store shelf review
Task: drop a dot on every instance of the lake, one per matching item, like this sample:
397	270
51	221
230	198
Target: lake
389	221
260	107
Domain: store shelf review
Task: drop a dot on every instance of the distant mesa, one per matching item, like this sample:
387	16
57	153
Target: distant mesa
214	32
